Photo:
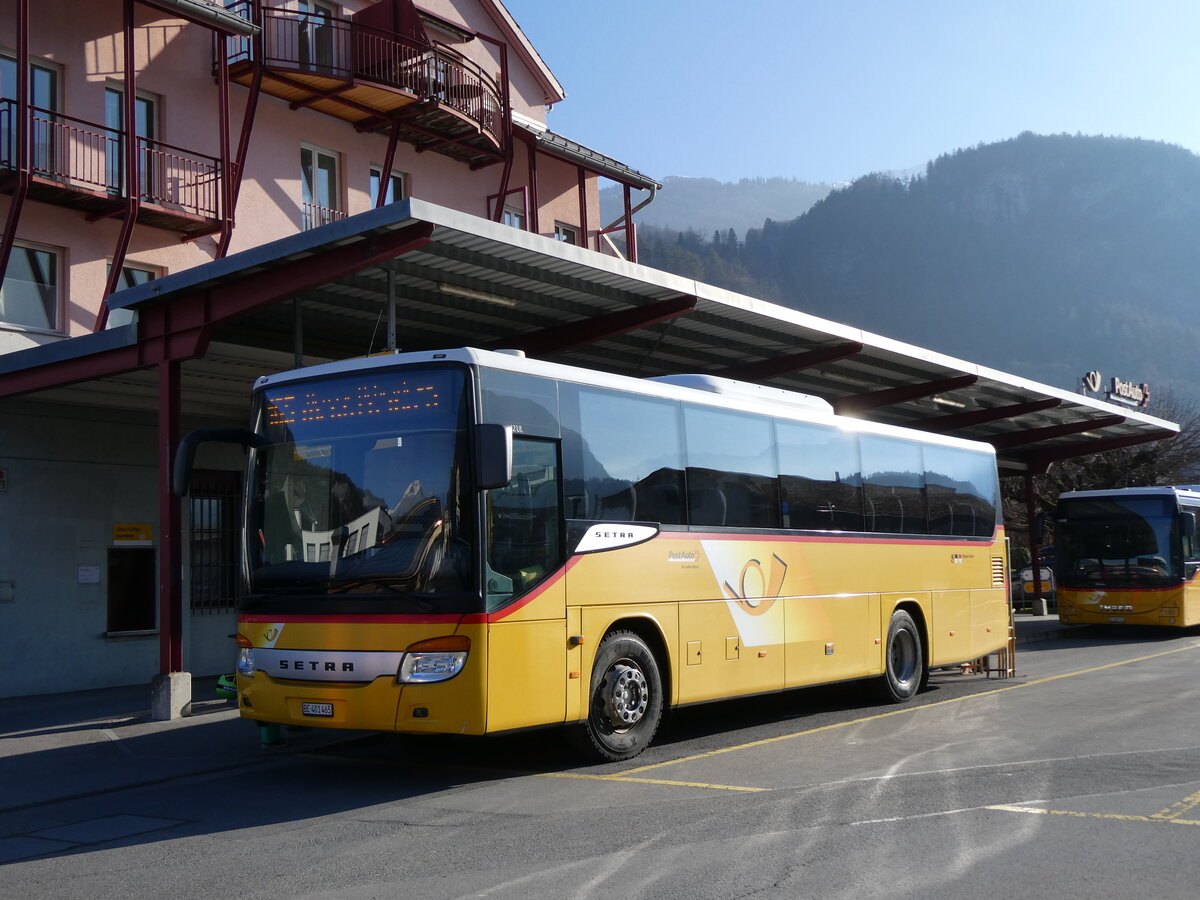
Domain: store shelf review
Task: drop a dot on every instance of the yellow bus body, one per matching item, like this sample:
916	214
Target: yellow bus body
1175	606
731	615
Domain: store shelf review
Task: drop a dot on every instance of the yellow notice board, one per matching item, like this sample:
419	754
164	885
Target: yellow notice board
132	532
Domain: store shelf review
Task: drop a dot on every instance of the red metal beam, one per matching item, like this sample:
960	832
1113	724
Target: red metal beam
243	150
132	167
1034	435
583	216
180	329
598	328
170	525
228	300
630	238
389	159
226	216
766	369
23	176
955	421
532	224
1040	460
892	396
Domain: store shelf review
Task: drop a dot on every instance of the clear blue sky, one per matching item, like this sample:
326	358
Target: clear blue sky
827	90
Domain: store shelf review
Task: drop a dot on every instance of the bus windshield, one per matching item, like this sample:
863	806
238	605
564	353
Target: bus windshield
1113	542
360	489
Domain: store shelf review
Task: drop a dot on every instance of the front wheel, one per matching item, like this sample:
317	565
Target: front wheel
625	700
904	660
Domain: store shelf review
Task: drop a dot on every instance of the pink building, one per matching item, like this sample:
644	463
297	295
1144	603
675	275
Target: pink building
140	139
246	123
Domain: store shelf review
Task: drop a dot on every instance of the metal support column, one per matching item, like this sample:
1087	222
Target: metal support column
1035	556
21	132
170	524
131	166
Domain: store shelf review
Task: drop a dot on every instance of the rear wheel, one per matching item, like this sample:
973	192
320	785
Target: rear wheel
625	700
904	660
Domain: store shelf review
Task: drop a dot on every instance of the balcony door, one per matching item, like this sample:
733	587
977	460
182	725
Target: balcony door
315	40
43	102
320	187
146	122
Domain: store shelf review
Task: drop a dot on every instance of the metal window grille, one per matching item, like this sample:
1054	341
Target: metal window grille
214	506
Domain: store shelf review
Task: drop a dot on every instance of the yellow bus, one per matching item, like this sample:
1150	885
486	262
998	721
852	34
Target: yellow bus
473	542
1128	556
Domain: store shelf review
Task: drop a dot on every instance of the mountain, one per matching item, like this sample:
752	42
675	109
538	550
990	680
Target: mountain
1045	256
705	205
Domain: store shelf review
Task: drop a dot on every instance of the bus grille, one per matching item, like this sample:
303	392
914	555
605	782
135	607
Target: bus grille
997	571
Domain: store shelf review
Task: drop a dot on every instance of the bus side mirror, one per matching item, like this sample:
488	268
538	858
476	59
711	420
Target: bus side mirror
1187	524
493	456
185	454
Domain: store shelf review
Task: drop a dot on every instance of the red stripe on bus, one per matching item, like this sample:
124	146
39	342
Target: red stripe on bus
384	619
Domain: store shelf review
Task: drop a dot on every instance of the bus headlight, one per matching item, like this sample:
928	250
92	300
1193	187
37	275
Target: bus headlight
245	662
436	659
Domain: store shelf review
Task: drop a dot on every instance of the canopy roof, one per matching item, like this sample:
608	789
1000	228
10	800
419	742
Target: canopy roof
458	280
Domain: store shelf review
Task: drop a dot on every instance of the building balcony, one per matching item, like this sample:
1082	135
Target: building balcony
80	164
436	98
314	216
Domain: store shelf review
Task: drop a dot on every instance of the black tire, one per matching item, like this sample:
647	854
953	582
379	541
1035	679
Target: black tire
904	672
625	700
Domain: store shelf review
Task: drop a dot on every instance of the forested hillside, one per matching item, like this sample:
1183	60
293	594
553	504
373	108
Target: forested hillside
1045	256
705	204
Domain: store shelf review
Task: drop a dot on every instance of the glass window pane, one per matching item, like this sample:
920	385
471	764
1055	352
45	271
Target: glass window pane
893	485
525	533
306	174
626	458
961	490
731	469
30	293
819	477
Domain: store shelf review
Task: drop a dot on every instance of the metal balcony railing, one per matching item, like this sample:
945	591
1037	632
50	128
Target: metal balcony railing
317	44
75	153
314	216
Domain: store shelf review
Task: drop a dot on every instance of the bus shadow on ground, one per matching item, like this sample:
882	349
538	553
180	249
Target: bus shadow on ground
213	777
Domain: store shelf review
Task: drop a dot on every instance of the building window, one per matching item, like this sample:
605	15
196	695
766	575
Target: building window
213	507
394	186
321	196
133	275
146	121
44	100
29	295
515	203
132	589
568	234
514	216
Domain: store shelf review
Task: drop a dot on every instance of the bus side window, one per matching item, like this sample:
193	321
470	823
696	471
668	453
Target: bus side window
732	474
623	457
524	521
819	477
893	485
1190	545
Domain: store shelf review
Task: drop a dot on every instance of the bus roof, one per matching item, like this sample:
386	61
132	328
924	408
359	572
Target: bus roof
724	393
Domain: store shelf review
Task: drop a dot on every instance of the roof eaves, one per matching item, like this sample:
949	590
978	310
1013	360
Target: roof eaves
558	145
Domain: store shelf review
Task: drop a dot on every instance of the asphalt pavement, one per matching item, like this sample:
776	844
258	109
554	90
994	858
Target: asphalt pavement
61	747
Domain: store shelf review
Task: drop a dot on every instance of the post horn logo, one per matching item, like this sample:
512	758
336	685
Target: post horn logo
757	590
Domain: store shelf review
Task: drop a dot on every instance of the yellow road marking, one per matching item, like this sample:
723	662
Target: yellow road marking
1155	819
907	710
1175	810
695	784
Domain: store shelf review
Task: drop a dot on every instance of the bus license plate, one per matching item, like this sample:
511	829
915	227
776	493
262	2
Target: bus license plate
317	709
